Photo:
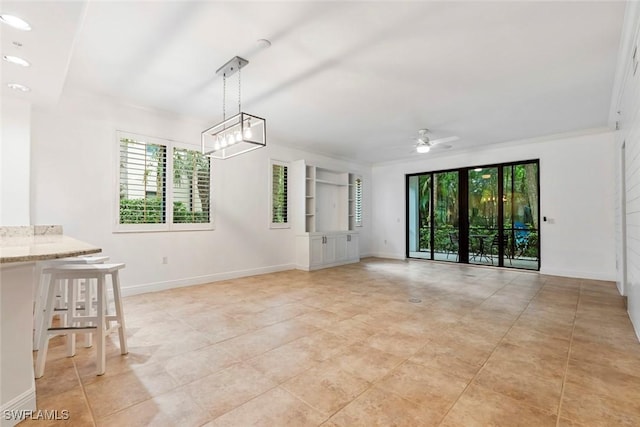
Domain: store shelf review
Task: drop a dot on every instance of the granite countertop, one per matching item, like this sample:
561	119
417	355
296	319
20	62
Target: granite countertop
38	243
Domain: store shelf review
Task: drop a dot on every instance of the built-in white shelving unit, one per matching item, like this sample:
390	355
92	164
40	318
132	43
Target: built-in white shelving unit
323	219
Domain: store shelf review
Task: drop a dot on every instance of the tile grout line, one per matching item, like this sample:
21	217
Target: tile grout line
566	367
84	393
491	354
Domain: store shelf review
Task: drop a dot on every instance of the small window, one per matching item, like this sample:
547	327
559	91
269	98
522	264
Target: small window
279	189
358	203
155	174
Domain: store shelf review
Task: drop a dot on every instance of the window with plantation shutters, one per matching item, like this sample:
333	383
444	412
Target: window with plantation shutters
191	186
279	189
358	203
162	185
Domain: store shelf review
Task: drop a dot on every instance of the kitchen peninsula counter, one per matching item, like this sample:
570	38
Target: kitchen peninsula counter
39	243
20	248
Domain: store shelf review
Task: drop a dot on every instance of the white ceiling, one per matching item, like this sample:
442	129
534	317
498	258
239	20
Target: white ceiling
350	79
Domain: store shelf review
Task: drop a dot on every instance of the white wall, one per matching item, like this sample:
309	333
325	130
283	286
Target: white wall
15	148
73	183
577	191
626	110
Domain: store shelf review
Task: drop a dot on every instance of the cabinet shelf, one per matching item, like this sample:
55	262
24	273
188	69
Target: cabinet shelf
324	181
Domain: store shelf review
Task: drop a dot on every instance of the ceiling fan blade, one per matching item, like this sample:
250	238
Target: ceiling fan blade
441	146
444	140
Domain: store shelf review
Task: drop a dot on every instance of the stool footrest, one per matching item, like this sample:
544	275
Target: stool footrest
71	328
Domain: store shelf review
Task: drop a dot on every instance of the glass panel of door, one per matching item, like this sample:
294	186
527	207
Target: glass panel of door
483	202
445	217
520	224
419	216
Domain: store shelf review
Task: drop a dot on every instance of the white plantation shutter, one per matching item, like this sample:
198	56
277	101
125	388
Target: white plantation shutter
279	194
358	203
142	182
191	187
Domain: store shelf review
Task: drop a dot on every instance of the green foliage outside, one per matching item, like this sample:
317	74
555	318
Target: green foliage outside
151	211
141	211
182	214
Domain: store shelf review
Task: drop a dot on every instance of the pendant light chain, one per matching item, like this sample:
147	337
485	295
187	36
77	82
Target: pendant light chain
224	97
239	89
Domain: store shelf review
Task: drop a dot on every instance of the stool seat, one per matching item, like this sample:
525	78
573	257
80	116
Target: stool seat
97	324
83	271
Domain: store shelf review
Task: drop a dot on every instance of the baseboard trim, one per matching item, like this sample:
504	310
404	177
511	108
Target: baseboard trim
388	255
19	408
580	274
199	280
320	267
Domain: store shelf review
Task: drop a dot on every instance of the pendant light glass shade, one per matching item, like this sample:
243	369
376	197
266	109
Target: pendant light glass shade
236	135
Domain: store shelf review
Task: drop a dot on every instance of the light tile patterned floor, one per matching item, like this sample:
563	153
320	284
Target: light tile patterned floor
346	347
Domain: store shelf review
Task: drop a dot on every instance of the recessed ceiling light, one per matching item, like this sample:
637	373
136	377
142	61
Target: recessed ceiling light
477	170
19	87
15	22
16	60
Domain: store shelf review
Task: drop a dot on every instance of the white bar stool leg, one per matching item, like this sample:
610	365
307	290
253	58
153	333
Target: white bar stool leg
117	300
101	331
43	339
89	296
72	303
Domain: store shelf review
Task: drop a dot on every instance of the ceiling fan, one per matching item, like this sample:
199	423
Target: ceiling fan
424	144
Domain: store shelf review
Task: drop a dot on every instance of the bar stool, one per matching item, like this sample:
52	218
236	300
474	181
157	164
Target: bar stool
62	292
97	323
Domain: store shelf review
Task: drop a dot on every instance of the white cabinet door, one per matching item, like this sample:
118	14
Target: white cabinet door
316	249
353	249
329	250
341	247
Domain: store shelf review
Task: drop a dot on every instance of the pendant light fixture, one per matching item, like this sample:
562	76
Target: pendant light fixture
238	134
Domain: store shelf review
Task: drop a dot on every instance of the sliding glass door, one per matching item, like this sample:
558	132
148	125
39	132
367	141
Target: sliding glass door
479	215
446	233
419	212
433	216
521	216
483	205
